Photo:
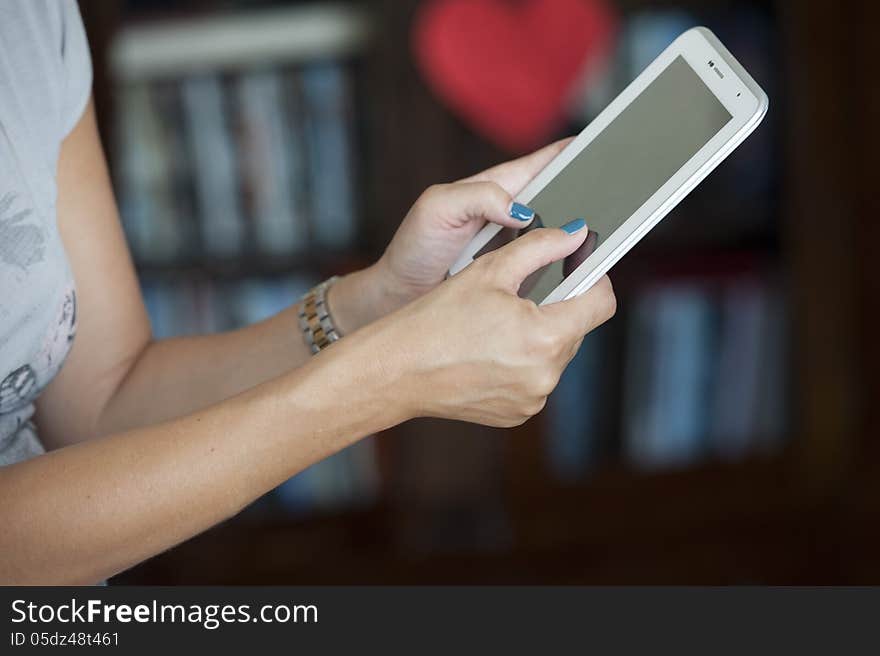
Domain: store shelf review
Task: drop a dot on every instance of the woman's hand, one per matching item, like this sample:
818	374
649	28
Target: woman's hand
446	217
473	350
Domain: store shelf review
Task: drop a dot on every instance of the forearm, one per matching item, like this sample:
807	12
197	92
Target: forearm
174	377
88	511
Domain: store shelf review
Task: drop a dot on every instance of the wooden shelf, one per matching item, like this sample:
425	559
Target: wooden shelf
752	530
287	35
619	501
809	515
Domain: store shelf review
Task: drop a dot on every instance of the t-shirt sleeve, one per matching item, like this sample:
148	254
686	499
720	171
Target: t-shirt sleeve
77	64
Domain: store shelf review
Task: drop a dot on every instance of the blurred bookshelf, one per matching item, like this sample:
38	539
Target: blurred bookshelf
235	158
711	433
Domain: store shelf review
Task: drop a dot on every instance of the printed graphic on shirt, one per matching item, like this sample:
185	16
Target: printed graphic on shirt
16	388
21	243
22	385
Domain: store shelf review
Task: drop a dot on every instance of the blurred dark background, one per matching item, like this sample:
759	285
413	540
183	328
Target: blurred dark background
719	430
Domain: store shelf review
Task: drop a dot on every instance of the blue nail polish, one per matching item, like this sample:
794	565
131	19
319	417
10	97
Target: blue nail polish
574	226
521	212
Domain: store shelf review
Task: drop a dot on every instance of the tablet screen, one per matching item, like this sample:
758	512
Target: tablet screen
623	166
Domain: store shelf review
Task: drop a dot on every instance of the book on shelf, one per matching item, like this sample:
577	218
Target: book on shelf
744	319
574	412
271	172
198	306
256	162
748	32
254	299
714	371
146	176
667	375
774	385
181	223
326	97
216	172
704	377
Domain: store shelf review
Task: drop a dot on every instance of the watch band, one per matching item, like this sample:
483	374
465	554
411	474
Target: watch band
315	321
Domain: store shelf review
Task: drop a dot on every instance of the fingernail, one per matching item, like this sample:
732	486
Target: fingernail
574	226
521	212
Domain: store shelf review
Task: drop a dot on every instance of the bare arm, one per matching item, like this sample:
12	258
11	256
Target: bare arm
133	380
470	349
88	511
117	377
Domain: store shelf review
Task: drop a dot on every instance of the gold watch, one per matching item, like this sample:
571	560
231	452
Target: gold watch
315	321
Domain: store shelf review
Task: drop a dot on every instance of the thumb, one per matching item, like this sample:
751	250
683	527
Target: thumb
581	314
536	249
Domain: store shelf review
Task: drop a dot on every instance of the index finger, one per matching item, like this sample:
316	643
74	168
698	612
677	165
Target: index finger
514	175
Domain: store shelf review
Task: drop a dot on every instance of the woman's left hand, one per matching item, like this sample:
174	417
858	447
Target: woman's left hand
432	235
435	231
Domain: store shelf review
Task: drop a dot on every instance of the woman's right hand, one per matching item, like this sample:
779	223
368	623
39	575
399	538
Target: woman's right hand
473	350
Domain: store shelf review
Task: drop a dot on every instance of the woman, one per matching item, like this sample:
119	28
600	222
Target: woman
150	442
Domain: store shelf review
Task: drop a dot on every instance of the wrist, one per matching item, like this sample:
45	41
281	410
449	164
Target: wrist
362	297
351	301
373	364
360	380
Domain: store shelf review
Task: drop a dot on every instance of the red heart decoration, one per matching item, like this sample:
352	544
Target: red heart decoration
507	68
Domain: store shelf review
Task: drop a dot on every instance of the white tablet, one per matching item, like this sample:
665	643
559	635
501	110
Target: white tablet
628	168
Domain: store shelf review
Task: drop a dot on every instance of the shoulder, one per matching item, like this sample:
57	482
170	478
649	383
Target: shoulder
45	65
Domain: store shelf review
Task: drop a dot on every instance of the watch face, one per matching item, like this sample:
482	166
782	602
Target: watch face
545	279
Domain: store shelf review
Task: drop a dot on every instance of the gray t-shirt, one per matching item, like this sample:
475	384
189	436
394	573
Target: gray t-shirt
45	81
